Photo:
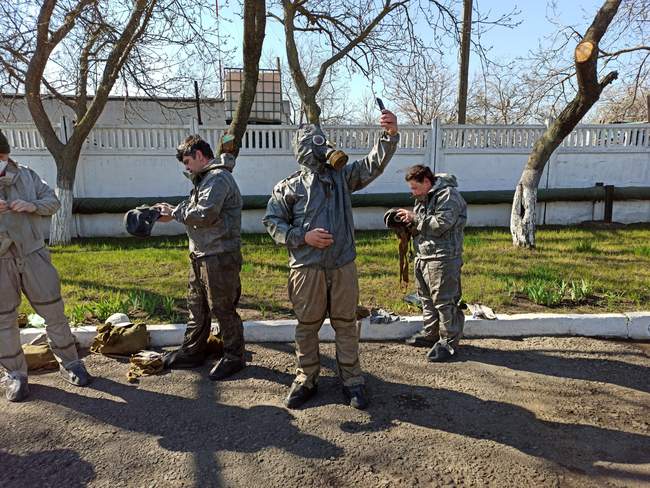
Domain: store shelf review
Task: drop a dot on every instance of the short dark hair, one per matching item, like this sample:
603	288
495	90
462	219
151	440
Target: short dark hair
418	173
191	144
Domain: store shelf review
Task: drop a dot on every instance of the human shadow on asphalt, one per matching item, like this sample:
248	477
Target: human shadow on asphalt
59	467
200	425
574	446
608	371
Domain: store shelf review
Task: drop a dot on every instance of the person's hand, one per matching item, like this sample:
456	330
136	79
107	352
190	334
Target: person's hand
4	206
22	206
405	215
165	210
388	121
319	238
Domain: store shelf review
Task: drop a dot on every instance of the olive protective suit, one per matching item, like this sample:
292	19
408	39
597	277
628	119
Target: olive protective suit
439	222
323	282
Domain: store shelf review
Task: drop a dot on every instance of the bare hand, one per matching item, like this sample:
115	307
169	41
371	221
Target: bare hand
165	210
388	121
22	206
405	215
319	238
4	206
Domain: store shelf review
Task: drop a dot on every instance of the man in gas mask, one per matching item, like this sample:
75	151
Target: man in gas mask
25	265
437	220
212	218
311	214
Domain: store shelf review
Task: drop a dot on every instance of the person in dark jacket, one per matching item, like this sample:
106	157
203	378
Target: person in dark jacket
212	218
438	219
311	214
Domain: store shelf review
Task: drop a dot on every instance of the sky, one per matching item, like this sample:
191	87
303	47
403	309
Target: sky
506	44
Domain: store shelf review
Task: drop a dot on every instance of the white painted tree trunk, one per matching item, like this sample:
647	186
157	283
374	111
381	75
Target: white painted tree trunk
523	215
61	225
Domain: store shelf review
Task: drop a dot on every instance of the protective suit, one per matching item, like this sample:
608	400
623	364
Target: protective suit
439	222
212	218
25	265
323	282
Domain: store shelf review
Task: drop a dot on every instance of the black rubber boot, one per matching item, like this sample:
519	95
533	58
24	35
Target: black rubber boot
226	367
299	394
180	360
356	395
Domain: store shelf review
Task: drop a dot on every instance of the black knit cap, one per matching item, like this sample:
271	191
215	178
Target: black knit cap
4	144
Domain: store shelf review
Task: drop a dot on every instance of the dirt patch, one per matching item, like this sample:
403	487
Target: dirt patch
532	412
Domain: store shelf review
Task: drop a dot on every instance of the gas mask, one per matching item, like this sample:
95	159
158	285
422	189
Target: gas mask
324	151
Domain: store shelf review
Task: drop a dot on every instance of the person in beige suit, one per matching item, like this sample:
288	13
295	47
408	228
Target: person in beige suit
25	266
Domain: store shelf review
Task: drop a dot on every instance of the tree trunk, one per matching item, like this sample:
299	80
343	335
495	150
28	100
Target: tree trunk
61	223
312	109
464	61
523	216
523	213
254	33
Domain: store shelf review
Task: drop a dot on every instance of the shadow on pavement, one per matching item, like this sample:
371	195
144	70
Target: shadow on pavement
603	370
59	467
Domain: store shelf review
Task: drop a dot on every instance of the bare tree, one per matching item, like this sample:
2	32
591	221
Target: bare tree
79	50
627	104
523	214
346	30
421	90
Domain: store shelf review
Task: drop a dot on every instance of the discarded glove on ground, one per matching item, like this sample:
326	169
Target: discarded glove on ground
144	363
481	311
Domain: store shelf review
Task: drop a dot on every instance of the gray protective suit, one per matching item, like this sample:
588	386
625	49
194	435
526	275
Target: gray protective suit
440	220
25	265
212	217
323	281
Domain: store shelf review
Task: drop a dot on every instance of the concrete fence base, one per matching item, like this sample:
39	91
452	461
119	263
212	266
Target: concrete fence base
634	325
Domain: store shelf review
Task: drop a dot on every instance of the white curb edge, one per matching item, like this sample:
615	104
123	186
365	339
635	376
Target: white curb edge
632	325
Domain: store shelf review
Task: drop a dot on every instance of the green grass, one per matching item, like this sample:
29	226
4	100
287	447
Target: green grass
578	270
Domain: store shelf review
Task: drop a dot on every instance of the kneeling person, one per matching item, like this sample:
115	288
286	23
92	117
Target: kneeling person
25	265
212	218
439	218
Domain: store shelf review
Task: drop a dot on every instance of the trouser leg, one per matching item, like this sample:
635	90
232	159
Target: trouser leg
343	296
308	295
42	287
223	287
445	286
11	354
431	322
199	322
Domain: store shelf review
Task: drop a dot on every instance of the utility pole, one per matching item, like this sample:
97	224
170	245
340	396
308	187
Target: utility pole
464	61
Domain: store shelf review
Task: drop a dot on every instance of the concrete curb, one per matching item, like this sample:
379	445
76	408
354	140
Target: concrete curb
633	325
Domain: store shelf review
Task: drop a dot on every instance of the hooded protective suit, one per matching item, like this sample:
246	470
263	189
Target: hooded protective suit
323	281
439	220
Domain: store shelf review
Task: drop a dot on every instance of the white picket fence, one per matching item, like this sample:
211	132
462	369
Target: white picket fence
417	138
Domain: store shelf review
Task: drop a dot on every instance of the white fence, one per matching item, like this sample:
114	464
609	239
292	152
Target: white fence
138	161
277	138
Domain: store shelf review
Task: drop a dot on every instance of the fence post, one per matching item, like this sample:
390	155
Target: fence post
609	204
435	149
63	129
